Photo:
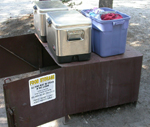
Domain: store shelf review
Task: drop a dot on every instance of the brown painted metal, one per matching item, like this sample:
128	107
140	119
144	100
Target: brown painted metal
25	46
102	85
9	112
17	99
22	54
10	65
81	86
129	53
101	82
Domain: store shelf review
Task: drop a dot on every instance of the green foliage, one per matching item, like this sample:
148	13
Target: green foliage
65	1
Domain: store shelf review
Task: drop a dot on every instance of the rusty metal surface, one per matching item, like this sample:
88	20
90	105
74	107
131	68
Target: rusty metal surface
102	84
22	54
17	99
129	53
25	46
86	87
80	86
10	65
79	89
124	81
9	112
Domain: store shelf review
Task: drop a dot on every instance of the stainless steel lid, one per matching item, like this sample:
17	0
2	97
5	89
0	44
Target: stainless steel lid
46	6
67	18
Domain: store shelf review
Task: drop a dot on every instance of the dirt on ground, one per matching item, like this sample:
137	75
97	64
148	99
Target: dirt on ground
127	115
17	26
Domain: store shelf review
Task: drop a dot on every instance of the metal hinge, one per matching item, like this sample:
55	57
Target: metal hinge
10	111
11	118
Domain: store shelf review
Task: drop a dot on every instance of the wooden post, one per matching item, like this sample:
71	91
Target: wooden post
106	3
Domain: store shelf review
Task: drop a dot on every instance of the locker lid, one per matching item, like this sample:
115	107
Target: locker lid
67	19
47	6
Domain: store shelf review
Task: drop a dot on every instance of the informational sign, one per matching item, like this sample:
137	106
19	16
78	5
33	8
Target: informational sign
42	89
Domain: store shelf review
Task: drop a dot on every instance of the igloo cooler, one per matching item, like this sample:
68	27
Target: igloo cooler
68	35
40	9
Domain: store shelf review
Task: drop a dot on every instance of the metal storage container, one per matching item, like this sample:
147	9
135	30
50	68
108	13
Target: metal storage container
68	35
39	10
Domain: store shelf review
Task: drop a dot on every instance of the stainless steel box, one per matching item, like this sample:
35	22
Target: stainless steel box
40	8
68	35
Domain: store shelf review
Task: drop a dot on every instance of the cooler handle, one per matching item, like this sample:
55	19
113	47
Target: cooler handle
76	34
49	21
35	7
118	23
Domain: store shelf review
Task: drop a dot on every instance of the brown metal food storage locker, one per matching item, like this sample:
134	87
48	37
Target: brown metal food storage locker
80	86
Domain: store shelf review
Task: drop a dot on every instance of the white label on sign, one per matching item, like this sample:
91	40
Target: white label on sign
42	89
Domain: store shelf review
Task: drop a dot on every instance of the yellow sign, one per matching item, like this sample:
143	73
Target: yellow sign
43	79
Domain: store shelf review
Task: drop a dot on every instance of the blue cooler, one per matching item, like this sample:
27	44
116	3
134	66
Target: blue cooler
109	36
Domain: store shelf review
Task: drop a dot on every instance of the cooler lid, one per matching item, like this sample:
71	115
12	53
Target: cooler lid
46	6
67	18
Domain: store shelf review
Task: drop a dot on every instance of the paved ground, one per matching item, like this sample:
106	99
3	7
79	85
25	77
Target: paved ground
138	37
